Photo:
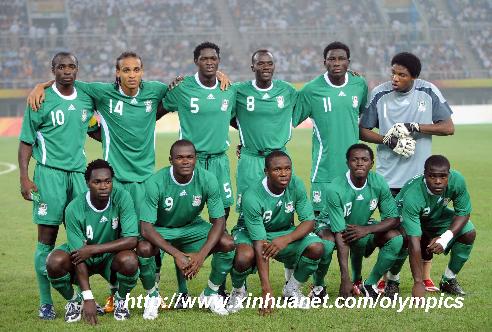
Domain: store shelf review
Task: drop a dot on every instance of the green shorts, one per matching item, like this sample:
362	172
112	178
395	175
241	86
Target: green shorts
99	264
218	164
189	238
364	246
136	191
318	191
56	188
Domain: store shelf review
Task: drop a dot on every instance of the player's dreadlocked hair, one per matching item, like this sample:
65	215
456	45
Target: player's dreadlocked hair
359	146
179	143
262	51
436	160
409	61
336	46
125	55
60	55
204	45
275	154
97	164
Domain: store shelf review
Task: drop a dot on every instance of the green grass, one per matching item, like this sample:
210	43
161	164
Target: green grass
469	151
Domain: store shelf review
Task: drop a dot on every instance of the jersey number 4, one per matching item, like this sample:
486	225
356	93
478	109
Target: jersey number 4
117	109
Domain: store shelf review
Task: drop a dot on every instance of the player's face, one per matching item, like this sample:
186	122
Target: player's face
279	173
401	80
208	62
263	66
336	62
100	184
183	160
359	163
130	73
437	178
65	70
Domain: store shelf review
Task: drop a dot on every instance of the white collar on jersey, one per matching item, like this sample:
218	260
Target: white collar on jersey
124	94
88	199
71	97
265	185
174	179
260	89
327	79
197	79
352	184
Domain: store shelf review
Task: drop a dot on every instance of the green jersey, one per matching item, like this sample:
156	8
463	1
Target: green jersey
420	209
84	222
171	204
347	204
204	113
334	111
128	127
57	131
264	211
264	116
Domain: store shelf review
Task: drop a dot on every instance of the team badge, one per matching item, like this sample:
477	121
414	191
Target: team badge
239	196
148	106
373	205
289	207
421	106
225	105
355	101
114	223
445	202
280	102
84	115
197	200
43	209
316	196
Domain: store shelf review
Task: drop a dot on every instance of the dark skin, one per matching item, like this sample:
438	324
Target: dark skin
336	63
207	64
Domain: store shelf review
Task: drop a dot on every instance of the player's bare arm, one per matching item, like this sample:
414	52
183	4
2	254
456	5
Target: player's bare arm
440	128
355	232
89	312
342	253
89	250
26	185
415	258
368	135
263	265
438	244
37	95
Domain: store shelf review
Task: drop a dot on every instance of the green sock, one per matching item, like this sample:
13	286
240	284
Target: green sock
386	258
40	255
324	264
356	256
460	253
221	266
305	268
182	287
127	283
239	278
63	286
400	260
147	272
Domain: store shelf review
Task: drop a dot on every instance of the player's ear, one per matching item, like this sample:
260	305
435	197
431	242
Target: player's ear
252	68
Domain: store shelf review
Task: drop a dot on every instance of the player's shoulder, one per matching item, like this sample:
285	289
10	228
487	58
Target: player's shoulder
313	84
120	196
429	88
253	193
205	177
413	191
283	84
296	183
376	179
356	79
156	85
456	178
77	205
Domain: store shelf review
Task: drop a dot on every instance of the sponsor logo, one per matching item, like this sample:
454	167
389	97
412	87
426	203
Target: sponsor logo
71	107
360	198
266	96
103	219
342	94
134	101
210	97
183	193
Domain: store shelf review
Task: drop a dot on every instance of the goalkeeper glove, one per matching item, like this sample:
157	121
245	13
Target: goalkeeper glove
401	130
402	146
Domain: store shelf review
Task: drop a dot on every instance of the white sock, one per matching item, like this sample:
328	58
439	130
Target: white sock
449	274
393	277
293	283
288	273
242	289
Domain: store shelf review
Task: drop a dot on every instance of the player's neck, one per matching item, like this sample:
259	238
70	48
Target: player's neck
98	203
263	84
358	182
206	80
129	92
337	80
66	90
182	179
273	189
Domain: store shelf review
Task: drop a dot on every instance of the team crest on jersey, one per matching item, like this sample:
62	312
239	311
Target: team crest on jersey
43	209
148	106
239	196
197	200
114	223
289	207
103	219
225	105
421	106
316	196
280	102
445	202
373	205
355	101
84	115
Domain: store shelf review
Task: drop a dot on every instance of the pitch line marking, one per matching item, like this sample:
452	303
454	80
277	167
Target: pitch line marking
10	168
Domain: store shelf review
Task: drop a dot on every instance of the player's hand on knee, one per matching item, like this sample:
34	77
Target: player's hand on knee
27	188
89	312
175	82
196	262
435	247
354	232
80	255
271	249
182	261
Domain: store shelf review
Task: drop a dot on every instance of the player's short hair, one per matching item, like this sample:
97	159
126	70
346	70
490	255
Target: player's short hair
204	45
125	55
336	46
262	51
436	160
60	55
97	164
275	154
409	61
180	143
359	146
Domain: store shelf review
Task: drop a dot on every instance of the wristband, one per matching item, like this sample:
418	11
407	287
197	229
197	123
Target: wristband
87	295
445	238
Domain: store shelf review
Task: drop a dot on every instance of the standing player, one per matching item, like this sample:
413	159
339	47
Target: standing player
101	235
407	111
423	207
266	231
350	201
333	101
55	137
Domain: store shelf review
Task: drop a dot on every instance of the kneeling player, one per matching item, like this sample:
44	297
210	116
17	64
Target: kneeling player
101	235
170	221
265	230
423	207
350	201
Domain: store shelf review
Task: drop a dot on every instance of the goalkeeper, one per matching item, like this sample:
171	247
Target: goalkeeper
407	111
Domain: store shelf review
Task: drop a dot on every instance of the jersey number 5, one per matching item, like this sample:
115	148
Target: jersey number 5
194	106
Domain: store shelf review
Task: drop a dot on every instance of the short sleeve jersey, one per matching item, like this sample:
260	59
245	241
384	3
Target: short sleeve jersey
347	204
334	111
171	204
204	113
84	222
422	210
128	127
423	104
263	211
57	131
264	116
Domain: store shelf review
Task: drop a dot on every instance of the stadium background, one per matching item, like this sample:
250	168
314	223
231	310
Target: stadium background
453	38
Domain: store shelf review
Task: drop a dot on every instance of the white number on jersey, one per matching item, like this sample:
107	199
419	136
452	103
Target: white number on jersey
89	233
57	118
227	190
169	203
347	209
327	104
194	106
250	103
118	108
267	216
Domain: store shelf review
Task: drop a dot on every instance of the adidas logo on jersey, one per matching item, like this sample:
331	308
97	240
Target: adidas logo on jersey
71	107
342	94
265	96
183	193
360	198
103	219
279	203
134	101
210	97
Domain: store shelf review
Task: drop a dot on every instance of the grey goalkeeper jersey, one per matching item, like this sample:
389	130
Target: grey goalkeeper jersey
423	104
